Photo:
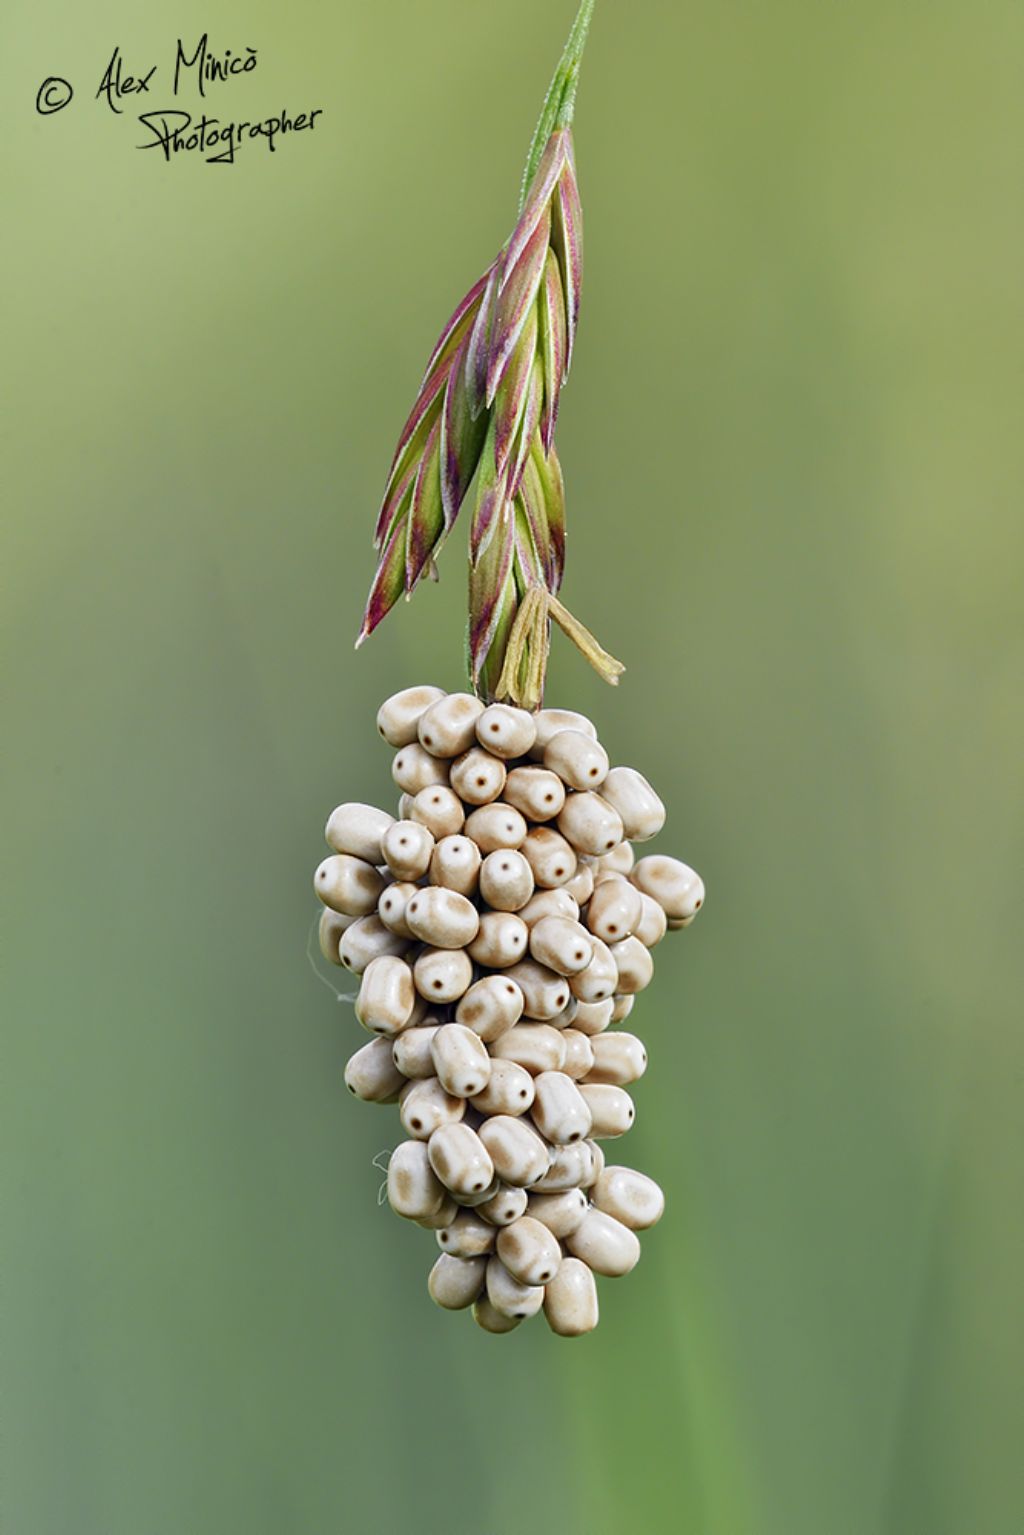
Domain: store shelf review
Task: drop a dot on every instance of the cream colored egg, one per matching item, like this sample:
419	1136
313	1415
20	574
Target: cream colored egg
560	1213
460	1160
509	1091
443	975
407	848
570	1300
518	1153
414	1189
448	728
615	908
426	1105
491	1006
599	980
371	1073
348	885
357	829
619	1058
399	715
391	907
561	944
674	885
503	937
468	1236
506	1206
461	1060
545	992
549	722
653	922
386	1003
442	918
632	1198
490	1320
550	857
496	826
579	760
590	824
534	791
579	1054
506	881
411	1051
477	777
640	810
506	731
604	1244
508	1296
368	939
330	930
534	1046
455	864
439	809
634	965
529	1251
581	886
619	861
611	1108
560	1112
593	1017
455	1283
571	1167
414	769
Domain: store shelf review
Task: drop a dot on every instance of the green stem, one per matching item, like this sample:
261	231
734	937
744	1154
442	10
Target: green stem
560	101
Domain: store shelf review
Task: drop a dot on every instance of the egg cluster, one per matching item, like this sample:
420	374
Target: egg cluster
499	926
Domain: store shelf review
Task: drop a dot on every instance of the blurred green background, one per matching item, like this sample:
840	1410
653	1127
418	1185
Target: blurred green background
793	453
